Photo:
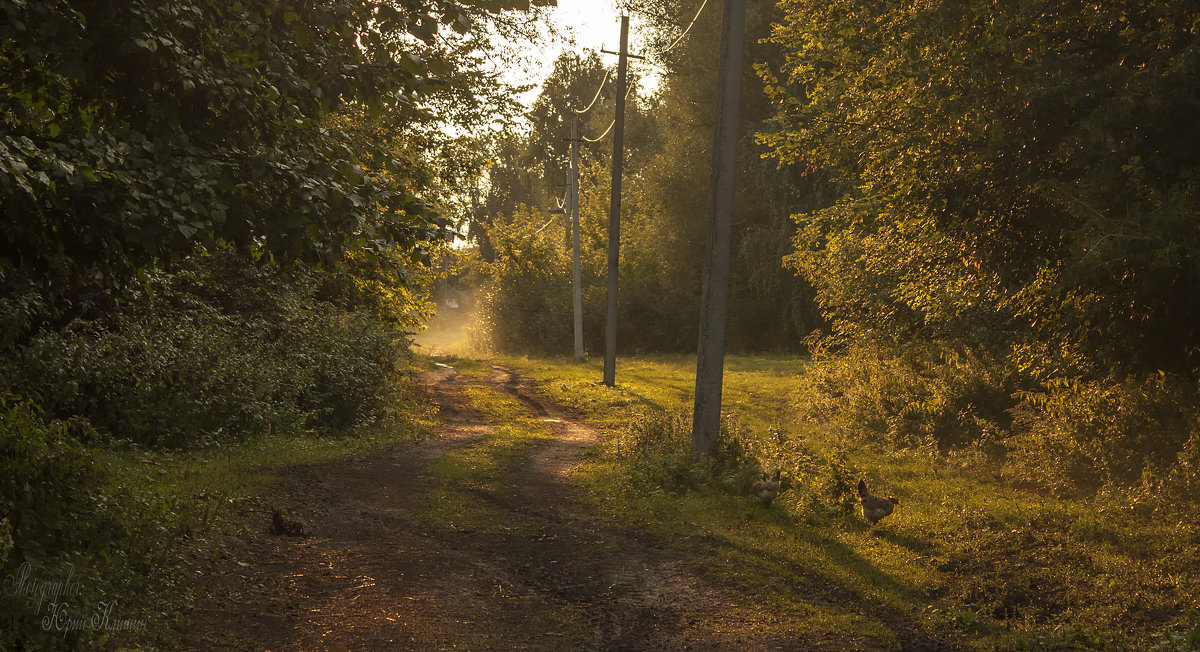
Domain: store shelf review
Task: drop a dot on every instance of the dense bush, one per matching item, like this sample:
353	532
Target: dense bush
525	304
1137	435
926	395
214	350
71	544
1019	194
1083	435
218	349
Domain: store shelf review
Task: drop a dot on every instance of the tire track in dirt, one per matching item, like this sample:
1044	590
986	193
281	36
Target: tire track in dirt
376	575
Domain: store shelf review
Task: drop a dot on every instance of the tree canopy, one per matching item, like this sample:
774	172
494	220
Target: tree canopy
1019	174
133	131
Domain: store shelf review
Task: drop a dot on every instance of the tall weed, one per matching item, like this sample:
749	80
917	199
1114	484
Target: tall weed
658	451
1070	436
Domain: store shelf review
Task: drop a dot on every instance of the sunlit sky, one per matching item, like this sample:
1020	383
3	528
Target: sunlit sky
591	25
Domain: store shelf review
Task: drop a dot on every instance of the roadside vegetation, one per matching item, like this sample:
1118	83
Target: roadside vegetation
216	223
989	217
970	559
978	256
966	233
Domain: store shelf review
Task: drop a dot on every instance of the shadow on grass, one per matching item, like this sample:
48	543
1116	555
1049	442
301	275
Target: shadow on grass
875	594
919	546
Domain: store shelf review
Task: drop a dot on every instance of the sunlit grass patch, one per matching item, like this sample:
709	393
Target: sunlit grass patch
967	558
465	480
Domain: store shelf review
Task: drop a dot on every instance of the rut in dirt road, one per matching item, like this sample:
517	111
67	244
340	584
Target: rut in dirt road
380	572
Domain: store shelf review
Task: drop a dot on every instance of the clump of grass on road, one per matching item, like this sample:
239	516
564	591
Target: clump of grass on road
462	475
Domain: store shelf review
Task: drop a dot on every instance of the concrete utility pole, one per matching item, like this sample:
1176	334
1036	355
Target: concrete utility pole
714	293
614	214
573	206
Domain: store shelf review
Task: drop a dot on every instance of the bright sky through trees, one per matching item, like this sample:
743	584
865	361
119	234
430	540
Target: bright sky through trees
581	25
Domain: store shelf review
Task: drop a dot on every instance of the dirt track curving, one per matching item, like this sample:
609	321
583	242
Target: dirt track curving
375	574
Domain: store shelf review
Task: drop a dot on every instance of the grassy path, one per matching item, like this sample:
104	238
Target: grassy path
966	562
531	519
478	539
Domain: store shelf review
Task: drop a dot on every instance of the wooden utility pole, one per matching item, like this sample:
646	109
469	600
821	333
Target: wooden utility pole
573	206
714	293
614	214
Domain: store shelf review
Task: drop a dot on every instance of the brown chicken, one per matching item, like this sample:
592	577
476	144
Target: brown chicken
875	507
766	490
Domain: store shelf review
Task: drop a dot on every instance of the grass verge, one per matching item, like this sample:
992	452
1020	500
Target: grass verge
191	498
967	561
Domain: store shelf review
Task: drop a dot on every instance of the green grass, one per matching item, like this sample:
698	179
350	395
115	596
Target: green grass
214	486
462	476
181	499
966	558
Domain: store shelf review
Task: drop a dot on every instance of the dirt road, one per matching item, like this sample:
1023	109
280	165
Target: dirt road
376	572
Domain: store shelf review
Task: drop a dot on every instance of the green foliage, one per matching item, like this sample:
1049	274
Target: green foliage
926	396
663	212
221	349
525	303
285	130
1008	183
65	526
991	172
818	484
213	217
654	448
1069	437
1183	638
771	309
1087	435
657	446
135	131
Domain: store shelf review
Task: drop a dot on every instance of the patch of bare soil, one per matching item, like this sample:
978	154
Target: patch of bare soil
371	574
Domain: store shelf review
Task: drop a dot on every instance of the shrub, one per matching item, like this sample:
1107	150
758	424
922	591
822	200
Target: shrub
525	306
1083	435
221	349
350	367
1065	435
166	378
818	484
927	395
71	545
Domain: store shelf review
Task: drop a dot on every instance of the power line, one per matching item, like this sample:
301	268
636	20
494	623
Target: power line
685	31
596	96
543	227
601	136
628	90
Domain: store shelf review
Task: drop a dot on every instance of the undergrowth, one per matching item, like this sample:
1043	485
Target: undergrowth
127	431
1120	437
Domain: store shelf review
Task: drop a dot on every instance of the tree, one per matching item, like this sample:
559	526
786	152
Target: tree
770	307
1017	176
133	132
527	166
